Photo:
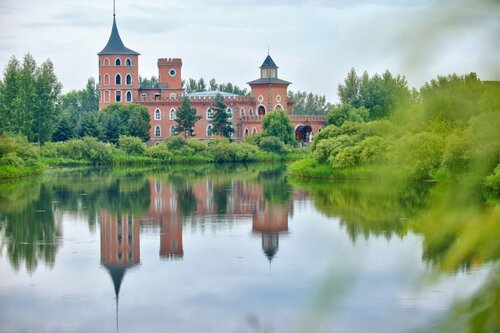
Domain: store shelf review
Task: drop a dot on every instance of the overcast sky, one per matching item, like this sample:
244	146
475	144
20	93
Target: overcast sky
314	42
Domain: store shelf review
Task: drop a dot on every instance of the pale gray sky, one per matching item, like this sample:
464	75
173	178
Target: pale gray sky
314	42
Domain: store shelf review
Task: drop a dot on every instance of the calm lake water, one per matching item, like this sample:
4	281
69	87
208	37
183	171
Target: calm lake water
241	248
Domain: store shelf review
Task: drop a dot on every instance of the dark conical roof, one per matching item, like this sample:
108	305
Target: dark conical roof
115	44
117	272
268	62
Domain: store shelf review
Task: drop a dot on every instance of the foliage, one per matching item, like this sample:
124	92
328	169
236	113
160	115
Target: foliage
124	119
272	144
193	86
224	151
308	103
380	95
87	149
278	124
346	112
131	145
220	118
186	118
29	96
149	83
18	157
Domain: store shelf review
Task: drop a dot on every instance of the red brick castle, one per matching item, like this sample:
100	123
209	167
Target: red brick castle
119	83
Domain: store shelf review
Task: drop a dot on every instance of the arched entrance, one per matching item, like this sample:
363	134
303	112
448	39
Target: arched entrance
261	110
303	133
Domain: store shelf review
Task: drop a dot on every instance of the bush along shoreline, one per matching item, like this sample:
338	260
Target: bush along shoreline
19	158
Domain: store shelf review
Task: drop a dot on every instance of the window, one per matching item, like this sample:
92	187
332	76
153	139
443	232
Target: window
209	130
106	96
144	96
106	62
157	114
242	112
209	113
128	80
250	112
157	186
173	96
118	62
261	98
129	96
128	62
172	72
157	97
118	96
278	99
172	114
118	79
278	107
106	79
247	132
172	130
100	96
99	80
254	130
261	110
229	113
157	131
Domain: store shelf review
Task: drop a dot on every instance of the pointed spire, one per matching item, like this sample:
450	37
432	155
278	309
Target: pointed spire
268	62
115	44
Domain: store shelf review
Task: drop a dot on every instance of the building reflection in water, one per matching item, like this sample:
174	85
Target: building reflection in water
171	205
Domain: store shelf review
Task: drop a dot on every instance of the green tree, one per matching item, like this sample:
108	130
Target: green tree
46	110
26	98
124	119
89	125
346	112
220	118
349	91
8	93
138	123
151	82
278	124
65	129
186	118
201	86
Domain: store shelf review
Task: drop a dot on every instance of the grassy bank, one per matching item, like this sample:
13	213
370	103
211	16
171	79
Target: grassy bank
19	158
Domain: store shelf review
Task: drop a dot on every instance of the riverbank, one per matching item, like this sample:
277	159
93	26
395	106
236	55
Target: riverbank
19	158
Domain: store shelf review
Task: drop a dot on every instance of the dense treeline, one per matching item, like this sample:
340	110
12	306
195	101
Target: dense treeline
308	103
449	130
29	96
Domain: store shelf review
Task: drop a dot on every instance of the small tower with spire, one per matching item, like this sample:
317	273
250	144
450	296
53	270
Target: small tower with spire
269	91
118	71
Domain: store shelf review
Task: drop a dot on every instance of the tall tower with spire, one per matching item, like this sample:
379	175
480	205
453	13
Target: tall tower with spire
269	91
118	71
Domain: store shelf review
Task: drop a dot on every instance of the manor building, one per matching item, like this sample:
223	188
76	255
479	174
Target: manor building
119	83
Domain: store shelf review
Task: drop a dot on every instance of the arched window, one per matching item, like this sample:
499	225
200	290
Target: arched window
118	62
254	130
172	130
172	114
118	96
261	111
209	130
229	113
99	80
242	112
106	62
278	107
128	80
157	114
250	112
247	132
129	96
128	62
106	79
157	131
209	113
118	79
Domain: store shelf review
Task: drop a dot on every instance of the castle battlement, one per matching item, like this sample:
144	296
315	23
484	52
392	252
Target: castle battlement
169	62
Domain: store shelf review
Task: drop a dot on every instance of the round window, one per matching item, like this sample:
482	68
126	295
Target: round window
278	99
261	99
172	72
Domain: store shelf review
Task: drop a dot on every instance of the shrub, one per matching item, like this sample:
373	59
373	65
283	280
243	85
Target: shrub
223	151
272	144
132	145
197	145
160	152
175	143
